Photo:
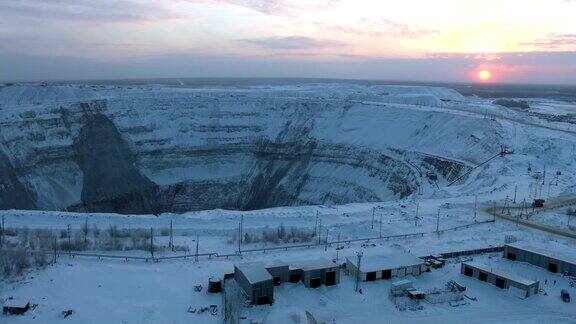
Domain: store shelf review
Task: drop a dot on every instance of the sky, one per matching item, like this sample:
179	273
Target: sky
518	41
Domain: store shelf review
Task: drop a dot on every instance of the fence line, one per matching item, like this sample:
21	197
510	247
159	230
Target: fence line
210	255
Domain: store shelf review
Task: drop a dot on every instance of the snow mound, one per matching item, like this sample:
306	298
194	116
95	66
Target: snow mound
417	95
34	94
438	92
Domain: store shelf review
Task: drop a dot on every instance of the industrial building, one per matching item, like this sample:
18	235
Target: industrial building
315	273
499	278
552	261
256	281
385	266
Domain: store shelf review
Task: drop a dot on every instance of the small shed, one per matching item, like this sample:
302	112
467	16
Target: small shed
280	272
397	288
555	262
499	278
386	266
315	273
15	306
414	293
256	282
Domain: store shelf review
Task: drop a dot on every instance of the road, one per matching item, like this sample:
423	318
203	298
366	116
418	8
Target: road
554	203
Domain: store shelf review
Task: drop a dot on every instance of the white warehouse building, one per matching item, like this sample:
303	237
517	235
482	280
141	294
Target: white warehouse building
386	266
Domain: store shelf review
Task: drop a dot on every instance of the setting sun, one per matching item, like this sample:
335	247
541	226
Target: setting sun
484	75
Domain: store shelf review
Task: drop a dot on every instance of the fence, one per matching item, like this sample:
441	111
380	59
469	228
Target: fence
456	254
210	255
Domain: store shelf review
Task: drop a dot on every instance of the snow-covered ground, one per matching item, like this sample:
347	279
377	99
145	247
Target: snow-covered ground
462	129
118	291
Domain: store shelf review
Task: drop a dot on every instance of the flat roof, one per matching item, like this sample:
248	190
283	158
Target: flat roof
569	258
317	264
371	263
15	302
276	264
254	272
500	273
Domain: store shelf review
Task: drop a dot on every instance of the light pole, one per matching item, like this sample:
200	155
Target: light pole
359	256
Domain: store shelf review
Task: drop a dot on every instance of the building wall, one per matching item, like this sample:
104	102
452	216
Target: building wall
281	271
321	274
243	282
400	272
540	260
491	278
255	290
261	289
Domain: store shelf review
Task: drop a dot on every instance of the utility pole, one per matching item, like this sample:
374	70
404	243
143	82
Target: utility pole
171	243
475	206
319	230
505	204
372	224
494	211
515	191
494	215
69	240
152	243
197	244
416	217
326	242
240	234
438	223
316	224
380	231
55	249
357	284
85	231
337	247
2	233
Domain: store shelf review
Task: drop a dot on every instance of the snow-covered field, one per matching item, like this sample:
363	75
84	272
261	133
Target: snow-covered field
136	291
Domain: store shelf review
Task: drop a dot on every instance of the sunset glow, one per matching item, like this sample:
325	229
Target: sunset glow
484	75
321	38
